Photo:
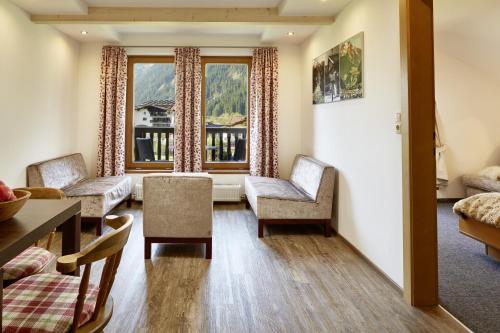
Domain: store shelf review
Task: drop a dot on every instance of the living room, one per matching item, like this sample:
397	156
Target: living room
249	195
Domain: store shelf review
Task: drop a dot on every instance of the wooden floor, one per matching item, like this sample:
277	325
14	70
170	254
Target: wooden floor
293	280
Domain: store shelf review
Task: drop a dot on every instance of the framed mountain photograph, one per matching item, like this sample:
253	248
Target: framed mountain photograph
351	67
332	76
338	73
319	80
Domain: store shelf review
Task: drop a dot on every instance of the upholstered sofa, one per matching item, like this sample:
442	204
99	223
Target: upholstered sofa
178	208
306	198
69	173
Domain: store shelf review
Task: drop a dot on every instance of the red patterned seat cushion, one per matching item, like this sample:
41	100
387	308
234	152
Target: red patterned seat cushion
44	303
30	261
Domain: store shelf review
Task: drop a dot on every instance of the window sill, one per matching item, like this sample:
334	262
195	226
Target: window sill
210	171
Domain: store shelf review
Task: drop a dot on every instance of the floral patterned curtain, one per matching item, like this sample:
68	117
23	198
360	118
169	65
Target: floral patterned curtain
111	151
264	113
187	153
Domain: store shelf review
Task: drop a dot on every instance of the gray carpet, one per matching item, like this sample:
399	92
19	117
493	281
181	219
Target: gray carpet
469	281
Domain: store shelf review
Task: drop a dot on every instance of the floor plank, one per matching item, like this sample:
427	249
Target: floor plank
292	280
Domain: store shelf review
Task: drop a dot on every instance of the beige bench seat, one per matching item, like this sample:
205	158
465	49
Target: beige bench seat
69	174
304	199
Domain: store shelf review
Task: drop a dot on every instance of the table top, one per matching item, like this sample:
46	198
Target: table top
36	219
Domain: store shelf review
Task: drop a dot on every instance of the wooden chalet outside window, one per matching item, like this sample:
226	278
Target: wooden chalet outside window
150	117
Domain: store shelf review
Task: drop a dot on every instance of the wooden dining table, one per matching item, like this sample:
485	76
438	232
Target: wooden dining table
35	220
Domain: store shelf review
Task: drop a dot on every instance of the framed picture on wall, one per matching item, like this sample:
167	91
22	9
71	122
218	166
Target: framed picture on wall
338	73
351	67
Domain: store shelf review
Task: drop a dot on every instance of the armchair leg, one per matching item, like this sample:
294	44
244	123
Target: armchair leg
208	249
147	248
261	228
99	226
247	204
328	228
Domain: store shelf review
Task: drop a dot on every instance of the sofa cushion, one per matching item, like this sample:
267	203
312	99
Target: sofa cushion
59	172
482	183
100	195
273	188
307	173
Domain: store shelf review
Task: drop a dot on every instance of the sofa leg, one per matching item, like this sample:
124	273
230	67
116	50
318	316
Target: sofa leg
99	226
247	204
208	249
328	228
261	229
129	201
147	248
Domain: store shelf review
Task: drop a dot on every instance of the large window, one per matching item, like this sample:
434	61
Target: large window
151	112
225	90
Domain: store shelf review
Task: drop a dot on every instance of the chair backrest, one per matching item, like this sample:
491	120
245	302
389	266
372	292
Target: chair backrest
43	192
308	174
240	150
145	149
109	247
177	205
59	172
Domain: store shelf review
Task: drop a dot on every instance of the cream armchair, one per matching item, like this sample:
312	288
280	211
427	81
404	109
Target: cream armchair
177	209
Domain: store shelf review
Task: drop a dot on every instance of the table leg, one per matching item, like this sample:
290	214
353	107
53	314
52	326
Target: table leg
71	230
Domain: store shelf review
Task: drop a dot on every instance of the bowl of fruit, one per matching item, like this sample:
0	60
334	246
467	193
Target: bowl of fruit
11	201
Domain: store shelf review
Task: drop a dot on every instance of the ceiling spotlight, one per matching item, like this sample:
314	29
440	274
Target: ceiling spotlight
291	33
84	32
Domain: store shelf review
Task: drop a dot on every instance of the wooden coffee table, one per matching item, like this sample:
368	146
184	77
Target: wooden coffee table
35	220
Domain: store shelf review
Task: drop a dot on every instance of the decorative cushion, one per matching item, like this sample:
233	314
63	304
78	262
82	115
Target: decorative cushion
483	183
30	261
45	303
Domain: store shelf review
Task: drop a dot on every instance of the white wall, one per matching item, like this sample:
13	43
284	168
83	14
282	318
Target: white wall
358	137
289	102
468	101
38	79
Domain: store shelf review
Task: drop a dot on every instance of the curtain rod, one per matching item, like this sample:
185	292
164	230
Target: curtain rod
201	47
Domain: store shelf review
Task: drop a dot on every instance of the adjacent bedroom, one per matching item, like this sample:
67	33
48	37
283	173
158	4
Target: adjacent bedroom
467	64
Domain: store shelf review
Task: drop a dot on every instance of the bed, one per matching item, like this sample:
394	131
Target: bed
480	220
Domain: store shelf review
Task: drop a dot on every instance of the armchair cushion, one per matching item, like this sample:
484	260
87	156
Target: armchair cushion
273	188
100	195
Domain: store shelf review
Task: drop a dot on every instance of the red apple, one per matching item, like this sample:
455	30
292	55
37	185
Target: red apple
6	194
2	183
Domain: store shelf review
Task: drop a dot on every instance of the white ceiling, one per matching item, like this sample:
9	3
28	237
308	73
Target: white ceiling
118	32
470	31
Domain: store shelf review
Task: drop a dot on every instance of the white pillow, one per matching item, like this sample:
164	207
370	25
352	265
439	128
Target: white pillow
492	172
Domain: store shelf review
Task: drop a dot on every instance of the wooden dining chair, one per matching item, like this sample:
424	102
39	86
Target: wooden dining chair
35	259
66	303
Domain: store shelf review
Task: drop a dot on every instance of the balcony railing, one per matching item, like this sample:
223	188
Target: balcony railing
220	143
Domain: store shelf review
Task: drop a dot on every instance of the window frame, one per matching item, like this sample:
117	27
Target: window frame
135	167
209	166
130	165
